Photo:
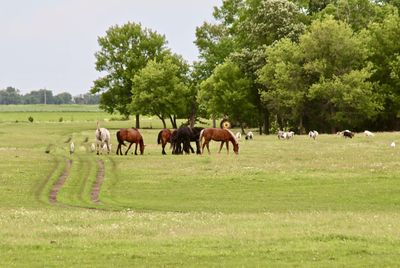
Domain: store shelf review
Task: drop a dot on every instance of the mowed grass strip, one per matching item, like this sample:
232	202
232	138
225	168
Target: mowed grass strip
73	237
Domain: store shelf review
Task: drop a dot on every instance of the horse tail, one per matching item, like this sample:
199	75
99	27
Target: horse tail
201	139
159	137
119	138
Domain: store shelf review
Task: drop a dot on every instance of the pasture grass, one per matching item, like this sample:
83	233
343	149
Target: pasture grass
325	203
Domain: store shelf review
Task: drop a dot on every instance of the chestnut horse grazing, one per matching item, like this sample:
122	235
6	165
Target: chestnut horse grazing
164	136
218	134
131	135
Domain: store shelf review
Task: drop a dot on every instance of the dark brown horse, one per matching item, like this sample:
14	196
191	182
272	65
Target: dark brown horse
164	136
218	134
131	135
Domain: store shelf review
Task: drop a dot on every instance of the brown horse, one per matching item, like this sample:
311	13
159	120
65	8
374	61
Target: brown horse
131	135
218	134
164	136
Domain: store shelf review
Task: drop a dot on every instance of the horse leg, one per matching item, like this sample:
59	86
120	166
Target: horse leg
198	147
118	148
191	148
220	147
163	148
227	147
126	152
97	147
136	148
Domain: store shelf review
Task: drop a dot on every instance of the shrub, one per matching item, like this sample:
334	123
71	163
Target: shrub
30	119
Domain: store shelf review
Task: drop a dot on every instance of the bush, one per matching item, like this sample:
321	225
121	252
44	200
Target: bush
30	119
61	119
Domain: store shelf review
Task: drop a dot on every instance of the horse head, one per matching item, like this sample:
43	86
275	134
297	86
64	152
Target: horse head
236	148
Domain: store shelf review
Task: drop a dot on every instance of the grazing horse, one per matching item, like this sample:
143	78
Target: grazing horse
164	136
182	137
348	134
218	134
131	135
102	138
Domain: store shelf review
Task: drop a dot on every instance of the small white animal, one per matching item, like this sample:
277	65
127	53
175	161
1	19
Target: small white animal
249	135
238	135
393	144
313	134
71	148
369	133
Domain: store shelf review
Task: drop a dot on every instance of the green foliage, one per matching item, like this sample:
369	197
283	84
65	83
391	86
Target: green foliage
161	88
30	119
124	51
227	92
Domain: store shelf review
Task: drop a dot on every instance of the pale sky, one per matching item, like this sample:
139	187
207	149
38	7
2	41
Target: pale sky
51	43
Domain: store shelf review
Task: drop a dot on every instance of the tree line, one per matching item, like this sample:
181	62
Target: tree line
12	95
270	64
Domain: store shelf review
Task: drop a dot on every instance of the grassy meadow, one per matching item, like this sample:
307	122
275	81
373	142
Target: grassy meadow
332	202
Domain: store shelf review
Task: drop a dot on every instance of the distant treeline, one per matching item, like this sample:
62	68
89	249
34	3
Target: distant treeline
11	95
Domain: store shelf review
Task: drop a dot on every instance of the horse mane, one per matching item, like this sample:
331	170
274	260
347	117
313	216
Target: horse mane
233	136
98	125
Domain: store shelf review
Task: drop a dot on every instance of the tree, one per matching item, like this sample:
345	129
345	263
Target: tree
335	67
124	51
63	98
42	96
382	41
283	79
227	92
10	95
161	89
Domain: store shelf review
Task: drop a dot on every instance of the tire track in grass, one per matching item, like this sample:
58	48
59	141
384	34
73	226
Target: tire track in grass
98	183
41	187
60	182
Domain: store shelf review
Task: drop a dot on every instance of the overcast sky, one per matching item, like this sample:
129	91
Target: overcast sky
51	43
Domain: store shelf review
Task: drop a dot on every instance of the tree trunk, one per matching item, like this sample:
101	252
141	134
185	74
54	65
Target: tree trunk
214	122
173	121
137	121
266	122
301	128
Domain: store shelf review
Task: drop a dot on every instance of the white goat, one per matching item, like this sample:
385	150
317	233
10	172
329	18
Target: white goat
313	134
249	135
71	147
369	133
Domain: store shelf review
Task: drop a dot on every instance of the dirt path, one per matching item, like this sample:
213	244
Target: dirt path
98	183
60	182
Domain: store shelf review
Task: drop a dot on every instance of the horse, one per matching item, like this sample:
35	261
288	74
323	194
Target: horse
183	136
102	138
131	135
218	134
164	136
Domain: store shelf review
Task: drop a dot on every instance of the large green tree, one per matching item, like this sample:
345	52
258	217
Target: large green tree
227	92
124	51
161	89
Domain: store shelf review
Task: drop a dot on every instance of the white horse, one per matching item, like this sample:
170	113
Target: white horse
102	138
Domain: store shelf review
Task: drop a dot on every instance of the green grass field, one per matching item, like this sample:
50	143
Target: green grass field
332	202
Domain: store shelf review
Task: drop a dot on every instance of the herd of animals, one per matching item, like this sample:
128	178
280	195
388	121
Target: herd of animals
180	139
